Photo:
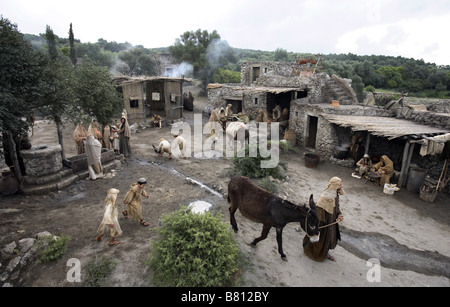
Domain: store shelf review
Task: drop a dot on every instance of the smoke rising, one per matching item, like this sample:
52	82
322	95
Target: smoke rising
182	69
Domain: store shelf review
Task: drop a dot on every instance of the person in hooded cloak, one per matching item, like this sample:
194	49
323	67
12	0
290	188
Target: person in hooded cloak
328	213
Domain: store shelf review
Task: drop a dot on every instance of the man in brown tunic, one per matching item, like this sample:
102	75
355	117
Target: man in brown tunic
328	212
132	201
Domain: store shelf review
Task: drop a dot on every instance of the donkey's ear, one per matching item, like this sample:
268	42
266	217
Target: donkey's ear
312	204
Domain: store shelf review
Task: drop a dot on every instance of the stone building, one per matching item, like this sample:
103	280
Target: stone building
327	118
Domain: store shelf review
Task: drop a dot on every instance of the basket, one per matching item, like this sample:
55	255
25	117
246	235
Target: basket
428	194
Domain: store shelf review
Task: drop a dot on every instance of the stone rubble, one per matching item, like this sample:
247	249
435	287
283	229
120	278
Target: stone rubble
15	256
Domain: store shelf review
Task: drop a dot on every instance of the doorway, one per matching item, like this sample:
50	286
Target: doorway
312	131
236	105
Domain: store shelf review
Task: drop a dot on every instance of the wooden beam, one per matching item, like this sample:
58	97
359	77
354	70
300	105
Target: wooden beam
403	171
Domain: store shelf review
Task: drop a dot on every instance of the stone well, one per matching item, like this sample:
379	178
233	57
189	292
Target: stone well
42	160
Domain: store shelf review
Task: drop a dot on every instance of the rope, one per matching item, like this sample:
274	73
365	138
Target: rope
337	221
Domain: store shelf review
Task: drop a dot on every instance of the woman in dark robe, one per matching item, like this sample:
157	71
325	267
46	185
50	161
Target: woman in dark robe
124	137
328	212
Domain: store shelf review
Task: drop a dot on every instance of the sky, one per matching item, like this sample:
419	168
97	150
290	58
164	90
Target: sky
414	28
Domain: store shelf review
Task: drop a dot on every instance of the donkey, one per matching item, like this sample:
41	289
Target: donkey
263	207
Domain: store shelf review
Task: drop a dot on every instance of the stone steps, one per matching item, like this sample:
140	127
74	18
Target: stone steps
339	93
62	179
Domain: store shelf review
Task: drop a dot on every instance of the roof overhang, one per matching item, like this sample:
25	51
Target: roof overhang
389	127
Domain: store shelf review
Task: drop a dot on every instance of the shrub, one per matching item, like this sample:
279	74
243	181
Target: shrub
97	270
251	166
194	250
268	185
369	88
50	248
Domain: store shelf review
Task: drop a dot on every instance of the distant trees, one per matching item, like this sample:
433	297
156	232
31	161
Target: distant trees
139	61
208	53
191	47
226	76
395	73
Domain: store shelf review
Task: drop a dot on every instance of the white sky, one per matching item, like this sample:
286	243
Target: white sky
413	28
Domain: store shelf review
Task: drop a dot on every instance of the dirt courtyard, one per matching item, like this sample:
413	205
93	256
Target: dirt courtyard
406	239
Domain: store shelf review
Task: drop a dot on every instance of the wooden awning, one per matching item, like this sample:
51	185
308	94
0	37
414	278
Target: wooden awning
389	127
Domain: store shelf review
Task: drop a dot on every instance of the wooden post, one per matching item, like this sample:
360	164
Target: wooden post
366	150
404	171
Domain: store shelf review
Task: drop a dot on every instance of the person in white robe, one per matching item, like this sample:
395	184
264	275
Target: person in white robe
180	142
94	156
110	222
164	146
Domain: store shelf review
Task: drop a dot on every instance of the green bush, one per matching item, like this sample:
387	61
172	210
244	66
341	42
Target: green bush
194	250
97	270
50	248
268	185
251	167
370	88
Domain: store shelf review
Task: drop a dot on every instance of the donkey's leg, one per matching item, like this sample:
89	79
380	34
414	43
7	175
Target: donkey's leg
280	243
264	233
233	209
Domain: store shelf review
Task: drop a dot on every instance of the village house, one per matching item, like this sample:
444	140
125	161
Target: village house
145	96
330	122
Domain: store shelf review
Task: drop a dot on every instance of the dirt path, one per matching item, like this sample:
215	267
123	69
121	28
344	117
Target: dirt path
400	230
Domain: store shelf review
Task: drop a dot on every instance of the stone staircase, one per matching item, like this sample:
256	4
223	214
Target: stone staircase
341	91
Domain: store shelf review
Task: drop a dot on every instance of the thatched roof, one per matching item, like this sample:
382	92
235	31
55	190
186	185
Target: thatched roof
389	127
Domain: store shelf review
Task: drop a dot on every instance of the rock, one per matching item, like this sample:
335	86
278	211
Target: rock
9	248
43	234
13	263
26	244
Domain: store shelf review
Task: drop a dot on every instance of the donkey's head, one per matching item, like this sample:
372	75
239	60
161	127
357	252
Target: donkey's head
312	222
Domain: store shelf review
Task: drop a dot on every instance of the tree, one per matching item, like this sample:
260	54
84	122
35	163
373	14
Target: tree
192	48
393	75
21	78
59	97
358	86
96	95
281	55
139	61
226	76
73	55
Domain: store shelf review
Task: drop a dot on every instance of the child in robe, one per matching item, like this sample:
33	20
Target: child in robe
110	223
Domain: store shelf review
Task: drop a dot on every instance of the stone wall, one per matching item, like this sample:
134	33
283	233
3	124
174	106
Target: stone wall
424	117
42	160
